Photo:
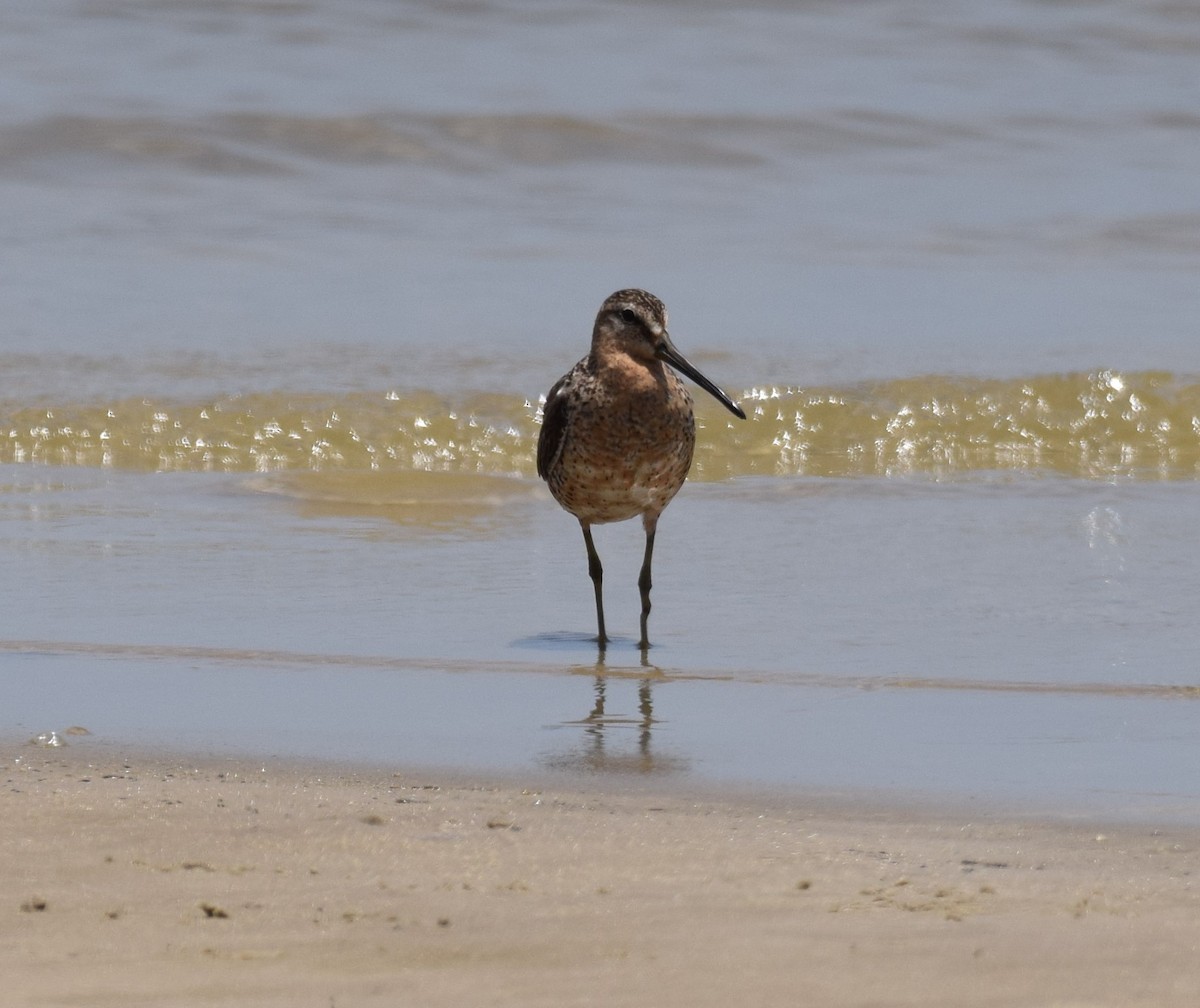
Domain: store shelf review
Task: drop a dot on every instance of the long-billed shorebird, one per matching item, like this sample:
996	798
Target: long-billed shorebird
618	430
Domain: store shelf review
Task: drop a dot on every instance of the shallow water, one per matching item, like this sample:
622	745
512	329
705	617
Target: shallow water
283	285
1025	643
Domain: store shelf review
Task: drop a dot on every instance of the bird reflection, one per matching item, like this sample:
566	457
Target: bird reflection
612	741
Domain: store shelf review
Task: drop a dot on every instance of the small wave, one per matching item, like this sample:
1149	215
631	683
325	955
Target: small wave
252	143
65	142
269	143
1095	425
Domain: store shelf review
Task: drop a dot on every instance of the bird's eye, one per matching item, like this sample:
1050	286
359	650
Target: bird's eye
629	315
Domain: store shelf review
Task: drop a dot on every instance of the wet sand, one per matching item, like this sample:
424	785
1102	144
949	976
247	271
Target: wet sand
146	880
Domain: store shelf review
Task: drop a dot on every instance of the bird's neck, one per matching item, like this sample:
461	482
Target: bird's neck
632	374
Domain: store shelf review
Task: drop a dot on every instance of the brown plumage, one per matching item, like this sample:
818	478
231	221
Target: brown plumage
618	430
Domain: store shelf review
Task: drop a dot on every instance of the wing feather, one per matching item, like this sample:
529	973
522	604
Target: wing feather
554	427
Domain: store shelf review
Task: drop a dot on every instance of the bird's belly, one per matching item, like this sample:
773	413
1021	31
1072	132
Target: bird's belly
614	489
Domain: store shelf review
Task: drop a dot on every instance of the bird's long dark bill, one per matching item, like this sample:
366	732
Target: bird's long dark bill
668	353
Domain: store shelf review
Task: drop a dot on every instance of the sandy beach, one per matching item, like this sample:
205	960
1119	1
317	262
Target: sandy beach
148	880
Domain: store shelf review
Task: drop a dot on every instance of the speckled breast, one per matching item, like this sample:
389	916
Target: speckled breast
625	454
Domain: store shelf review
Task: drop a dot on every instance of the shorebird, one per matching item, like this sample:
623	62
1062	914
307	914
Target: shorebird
618	430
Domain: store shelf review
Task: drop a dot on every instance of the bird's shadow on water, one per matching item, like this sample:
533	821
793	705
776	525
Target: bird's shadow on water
558	640
608	739
618	648
565	640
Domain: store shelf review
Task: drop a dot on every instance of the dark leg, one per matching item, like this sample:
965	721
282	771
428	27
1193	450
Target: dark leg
651	523
596	573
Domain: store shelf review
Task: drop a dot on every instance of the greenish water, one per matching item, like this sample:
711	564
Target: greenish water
1098	425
